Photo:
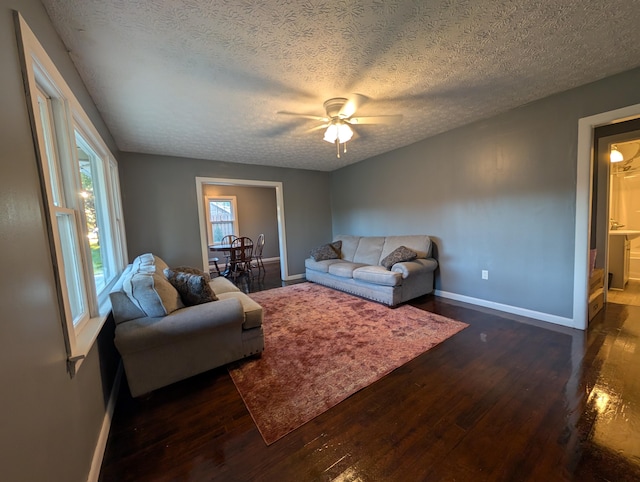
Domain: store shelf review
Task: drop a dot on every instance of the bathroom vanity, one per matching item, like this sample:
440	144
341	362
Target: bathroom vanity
620	256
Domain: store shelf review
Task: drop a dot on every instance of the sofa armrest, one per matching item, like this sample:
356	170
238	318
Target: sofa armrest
192	321
411	268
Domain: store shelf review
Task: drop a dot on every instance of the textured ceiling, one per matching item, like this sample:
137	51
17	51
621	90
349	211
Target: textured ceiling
206	78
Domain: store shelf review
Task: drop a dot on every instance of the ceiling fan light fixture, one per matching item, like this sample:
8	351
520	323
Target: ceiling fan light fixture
339	119
345	133
615	155
338	131
331	134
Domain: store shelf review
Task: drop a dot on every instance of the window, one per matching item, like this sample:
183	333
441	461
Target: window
223	218
97	217
82	198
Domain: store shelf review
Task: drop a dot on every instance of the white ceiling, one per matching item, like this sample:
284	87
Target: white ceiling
205	78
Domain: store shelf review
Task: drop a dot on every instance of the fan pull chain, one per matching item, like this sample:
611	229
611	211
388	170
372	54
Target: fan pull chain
344	148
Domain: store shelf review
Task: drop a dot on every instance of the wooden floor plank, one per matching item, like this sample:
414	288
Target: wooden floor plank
506	399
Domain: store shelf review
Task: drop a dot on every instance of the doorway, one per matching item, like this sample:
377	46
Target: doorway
584	208
621	229
202	182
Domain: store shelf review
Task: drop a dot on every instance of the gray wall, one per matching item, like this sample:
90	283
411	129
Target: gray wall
257	213
161	211
497	195
50	423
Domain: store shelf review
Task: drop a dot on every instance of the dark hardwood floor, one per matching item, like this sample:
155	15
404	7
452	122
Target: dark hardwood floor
506	399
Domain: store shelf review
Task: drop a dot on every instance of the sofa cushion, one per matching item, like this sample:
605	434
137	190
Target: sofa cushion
149	289
322	266
193	288
349	245
369	250
344	269
253	314
398	255
378	275
327	251
148	263
220	285
419	243
121	305
159	264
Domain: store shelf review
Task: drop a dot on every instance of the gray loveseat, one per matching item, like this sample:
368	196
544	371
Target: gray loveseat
162	341
357	268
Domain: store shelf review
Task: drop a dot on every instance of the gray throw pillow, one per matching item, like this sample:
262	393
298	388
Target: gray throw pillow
193	288
327	251
190	270
398	255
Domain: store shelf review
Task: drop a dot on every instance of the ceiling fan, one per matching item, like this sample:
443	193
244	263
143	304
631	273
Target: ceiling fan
340	117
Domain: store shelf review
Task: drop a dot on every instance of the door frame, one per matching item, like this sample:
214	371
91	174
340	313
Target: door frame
282	238
584	188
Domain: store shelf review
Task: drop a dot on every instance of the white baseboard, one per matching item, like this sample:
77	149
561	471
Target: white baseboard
101	445
514	310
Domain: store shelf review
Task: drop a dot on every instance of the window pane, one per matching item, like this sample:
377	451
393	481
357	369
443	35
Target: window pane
221	211
117	224
220	230
221	217
47	124
72	266
90	179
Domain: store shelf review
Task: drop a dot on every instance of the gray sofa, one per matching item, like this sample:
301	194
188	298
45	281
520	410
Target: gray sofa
357	268
162	341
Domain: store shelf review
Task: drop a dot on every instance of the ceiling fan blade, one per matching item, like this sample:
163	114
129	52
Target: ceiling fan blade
317	128
376	119
305	116
352	104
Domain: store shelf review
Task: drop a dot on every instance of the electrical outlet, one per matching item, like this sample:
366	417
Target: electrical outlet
485	274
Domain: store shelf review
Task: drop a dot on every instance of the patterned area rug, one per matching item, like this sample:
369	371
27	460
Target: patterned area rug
321	346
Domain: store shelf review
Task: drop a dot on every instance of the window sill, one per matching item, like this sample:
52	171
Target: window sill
86	337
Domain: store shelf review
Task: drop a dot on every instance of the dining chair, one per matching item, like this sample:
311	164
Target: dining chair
225	241
241	253
257	253
214	260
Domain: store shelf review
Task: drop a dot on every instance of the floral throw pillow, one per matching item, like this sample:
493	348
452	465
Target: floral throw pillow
193	288
398	255
327	251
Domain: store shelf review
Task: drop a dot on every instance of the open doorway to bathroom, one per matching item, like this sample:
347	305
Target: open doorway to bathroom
618	188
624	229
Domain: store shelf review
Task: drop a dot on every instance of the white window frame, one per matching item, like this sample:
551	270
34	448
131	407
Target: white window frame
54	130
234	207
